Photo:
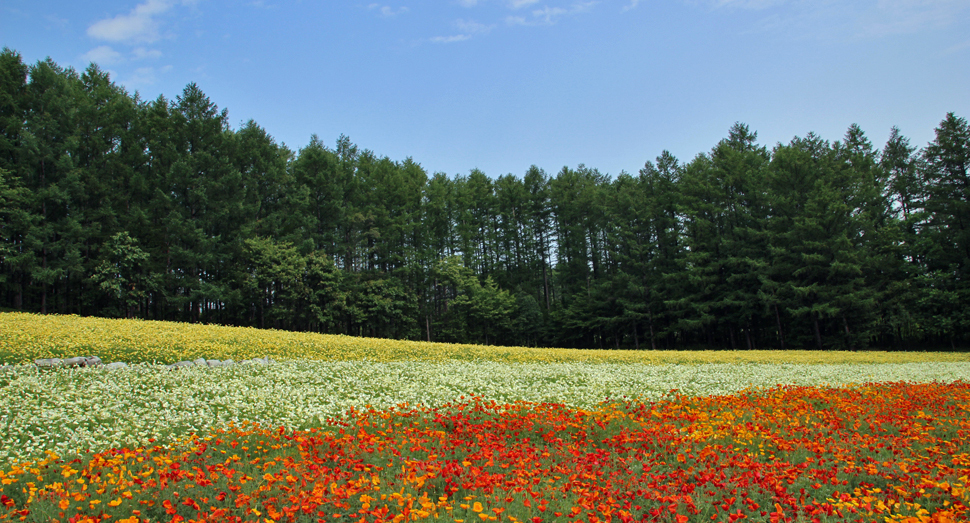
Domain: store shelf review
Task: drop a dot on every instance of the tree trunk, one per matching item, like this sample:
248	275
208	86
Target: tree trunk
818	332
43	299
781	334
848	335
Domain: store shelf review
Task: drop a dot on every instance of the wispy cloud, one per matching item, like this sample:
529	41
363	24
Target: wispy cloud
138	26
145	76
103	55
519	4
387	11
862	19
468	3
472	27
58	22
140	53
910	16
747	4
958	47
632	5
467	29
550	15
449	39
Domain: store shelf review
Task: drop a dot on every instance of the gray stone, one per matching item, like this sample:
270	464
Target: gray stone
94	361
179	364
200	362
49	362
213	363
116	365
79	361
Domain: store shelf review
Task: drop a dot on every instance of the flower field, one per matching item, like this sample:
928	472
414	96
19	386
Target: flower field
348	429
24	337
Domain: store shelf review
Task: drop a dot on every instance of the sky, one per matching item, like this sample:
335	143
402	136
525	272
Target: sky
500	85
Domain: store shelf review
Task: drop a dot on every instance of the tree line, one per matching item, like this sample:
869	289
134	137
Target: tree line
116	206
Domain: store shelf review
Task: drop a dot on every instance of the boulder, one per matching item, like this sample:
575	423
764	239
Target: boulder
79	361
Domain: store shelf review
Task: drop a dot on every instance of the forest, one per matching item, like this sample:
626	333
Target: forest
120	207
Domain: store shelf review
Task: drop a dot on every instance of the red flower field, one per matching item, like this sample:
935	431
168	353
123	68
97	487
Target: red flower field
886	452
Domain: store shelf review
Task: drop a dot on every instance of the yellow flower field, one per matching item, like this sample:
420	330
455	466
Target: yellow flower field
24	337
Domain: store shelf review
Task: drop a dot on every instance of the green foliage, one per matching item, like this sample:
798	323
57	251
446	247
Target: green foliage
115	206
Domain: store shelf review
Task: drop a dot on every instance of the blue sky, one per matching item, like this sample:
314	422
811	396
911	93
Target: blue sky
500	85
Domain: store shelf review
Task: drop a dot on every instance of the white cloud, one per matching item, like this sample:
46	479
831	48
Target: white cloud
60	23
550	15
632	5
468	28
387	11
468	3
450	39
103	55
141	53
518	4
747	4
142	76
139	25
828	19
910	16
472	27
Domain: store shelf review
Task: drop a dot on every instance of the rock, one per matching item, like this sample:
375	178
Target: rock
94	361
116	365
213	363
49	363
179	364
200	362
79	361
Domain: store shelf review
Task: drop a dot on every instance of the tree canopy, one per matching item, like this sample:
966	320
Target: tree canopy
115	206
